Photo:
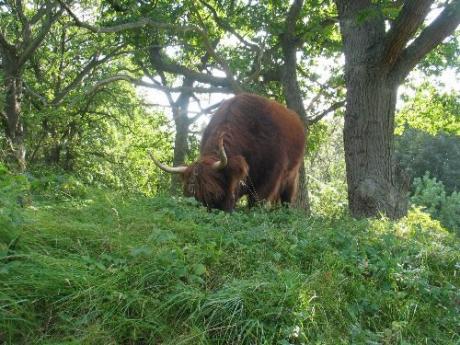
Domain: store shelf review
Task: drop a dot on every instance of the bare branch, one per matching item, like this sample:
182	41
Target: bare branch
158	61
429	38
204	111
163	80
138	82
409	20
313	101
313	119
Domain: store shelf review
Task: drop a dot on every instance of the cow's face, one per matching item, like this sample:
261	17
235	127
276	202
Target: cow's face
207	185
216	188
213	182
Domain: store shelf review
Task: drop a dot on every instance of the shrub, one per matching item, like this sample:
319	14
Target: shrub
14	195
57	186
450	212
418	152
431	195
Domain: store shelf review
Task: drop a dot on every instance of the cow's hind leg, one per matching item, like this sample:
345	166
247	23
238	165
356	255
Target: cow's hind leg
289	191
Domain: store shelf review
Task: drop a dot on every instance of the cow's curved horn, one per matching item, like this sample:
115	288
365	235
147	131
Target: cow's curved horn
172	170
222	163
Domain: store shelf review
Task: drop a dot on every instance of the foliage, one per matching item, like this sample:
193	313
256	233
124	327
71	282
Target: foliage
418	152
428	136
430	111
326	169
14	193
446	55
431	195
112	268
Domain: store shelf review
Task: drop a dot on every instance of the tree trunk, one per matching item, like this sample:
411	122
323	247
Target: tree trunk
373	186
293	96
180	148
14	128
182	124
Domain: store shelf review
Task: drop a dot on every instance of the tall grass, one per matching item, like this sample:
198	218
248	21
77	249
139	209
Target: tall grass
115	269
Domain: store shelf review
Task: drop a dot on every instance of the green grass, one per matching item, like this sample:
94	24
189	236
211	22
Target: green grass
114	269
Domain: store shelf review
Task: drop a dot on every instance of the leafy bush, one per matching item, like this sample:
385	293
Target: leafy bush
430	111
325	168
431	195
57	186
449	214
14	195
418	152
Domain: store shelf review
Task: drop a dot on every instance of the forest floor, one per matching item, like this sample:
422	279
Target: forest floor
108	268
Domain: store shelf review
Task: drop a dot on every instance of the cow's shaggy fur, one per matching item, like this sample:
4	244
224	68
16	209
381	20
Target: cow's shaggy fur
264	142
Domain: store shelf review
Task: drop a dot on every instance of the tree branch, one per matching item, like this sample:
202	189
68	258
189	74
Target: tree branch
157	61
292	16
35	43
223	24
38	15
429	38
289	81
406	24
212	52
142	22
19	9
8	47
206	110
313	119
94	62
138	82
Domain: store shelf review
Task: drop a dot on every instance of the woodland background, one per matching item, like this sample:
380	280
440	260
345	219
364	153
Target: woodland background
96	244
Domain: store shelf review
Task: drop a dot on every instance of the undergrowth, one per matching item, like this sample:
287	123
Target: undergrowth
108	268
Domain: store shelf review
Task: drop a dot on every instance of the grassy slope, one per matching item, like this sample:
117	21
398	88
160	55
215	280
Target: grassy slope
133	270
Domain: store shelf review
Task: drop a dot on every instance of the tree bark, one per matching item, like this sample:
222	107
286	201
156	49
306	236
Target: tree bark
182	124
292	93
373	186
14	57
376	62
14	128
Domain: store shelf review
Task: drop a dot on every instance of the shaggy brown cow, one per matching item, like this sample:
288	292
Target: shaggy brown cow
252	146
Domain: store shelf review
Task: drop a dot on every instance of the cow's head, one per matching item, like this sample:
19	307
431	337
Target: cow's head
213	180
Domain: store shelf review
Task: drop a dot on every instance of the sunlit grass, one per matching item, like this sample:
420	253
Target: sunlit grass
114	269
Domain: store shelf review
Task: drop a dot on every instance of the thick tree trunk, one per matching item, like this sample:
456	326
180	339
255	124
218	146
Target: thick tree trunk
373	186
14	128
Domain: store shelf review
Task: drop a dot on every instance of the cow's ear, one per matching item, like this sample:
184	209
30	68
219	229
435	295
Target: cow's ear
238	167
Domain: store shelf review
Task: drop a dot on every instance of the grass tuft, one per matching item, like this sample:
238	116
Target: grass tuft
108	268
